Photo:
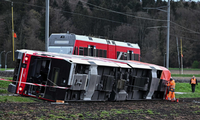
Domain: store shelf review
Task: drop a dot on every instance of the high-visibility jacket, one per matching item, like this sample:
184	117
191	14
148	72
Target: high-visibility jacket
171	84
171	87
193	81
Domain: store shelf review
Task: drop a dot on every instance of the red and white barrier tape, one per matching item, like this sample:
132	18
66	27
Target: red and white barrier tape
36	84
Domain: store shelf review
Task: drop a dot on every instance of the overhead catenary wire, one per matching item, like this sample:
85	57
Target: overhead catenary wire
105	9
192	31
129	15
190	39
78	14
140	17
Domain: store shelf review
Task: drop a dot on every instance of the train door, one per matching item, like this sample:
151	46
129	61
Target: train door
130	55
111	49
91	50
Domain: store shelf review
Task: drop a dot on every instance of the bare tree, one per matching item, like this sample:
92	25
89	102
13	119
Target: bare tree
125	33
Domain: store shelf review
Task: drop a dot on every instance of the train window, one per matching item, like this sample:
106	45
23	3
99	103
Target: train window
76	51
97	52
130	55
100	53
133	58
145	73
62	36
136	57
118	54
139	73
85	51
108	42
90	38
105	54
123	56
91	50
113	42
129	44
54	78
80	50
159	73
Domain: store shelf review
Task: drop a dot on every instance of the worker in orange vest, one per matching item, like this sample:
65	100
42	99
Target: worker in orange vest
171	87
193	82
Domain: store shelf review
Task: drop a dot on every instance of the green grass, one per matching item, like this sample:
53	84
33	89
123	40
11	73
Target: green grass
16	99
186	88
3	69
185	75
4	84
4	91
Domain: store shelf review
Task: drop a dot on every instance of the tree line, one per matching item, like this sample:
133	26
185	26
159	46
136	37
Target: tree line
121	20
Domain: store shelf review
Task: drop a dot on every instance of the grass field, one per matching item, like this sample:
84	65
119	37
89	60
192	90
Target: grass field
3	69
185	75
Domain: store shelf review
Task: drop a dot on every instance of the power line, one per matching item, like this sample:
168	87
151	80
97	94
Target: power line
85	6
185	37
192	31
185	28
124	13
140	17
80	14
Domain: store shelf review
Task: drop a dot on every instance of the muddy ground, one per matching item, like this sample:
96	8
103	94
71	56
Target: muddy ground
185	109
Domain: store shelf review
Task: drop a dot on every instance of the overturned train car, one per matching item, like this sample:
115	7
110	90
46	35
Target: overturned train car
53	76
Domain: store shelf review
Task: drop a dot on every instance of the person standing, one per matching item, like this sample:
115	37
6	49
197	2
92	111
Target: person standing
193	82
171	87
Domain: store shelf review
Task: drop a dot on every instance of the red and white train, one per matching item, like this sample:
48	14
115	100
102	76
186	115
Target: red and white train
90	46
54	76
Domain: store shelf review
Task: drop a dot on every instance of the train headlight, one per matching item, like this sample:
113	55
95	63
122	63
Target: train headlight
26	59
20	89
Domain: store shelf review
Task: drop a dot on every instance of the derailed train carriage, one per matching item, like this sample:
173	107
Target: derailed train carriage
53	76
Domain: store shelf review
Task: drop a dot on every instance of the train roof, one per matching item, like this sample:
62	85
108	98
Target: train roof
106	41
95	60
94	39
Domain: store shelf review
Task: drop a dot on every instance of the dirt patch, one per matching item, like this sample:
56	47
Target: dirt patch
160	109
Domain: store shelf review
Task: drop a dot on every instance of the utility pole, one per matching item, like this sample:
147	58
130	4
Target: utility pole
168	29
178	52
47	25
6	59
168	32
181	57
13	33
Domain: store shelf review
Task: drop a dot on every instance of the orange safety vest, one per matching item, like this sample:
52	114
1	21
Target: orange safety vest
193	81
171	84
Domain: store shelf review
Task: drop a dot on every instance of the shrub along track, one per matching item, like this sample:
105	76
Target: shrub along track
158	109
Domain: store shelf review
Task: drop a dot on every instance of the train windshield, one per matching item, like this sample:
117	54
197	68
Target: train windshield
61	43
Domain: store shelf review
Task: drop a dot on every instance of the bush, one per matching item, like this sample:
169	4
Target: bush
195	64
